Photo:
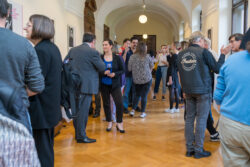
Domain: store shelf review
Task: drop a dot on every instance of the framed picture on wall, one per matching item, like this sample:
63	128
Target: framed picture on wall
209	35
71	36
9	21
14	21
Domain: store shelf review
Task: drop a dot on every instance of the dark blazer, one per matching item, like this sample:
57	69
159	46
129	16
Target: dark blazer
173	70
44	108
89	63
118	68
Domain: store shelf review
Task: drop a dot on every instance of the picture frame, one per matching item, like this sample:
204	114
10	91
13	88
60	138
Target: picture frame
71	37
14	21
210	35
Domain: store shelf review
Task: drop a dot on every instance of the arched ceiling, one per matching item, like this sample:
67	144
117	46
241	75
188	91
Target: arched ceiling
118	17
169	12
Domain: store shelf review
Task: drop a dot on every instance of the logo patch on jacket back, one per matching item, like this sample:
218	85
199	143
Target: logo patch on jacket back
189	61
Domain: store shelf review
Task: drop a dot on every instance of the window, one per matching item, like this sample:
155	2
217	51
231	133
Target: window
239	16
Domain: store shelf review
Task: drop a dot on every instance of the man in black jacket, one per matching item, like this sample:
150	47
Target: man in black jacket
88	62
194	65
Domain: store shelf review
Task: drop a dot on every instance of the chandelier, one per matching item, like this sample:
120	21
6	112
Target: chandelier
143	18
145	36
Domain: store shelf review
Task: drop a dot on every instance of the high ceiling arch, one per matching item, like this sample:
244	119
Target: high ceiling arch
172	12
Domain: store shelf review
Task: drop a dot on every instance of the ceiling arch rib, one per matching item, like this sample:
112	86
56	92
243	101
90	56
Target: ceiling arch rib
124	19
176	10
120	14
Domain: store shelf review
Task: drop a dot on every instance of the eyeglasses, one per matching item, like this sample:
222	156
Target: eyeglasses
231	41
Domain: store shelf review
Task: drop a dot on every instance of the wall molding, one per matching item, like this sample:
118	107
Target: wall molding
76	7
214	7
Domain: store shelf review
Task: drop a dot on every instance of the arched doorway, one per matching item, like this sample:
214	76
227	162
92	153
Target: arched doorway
89	18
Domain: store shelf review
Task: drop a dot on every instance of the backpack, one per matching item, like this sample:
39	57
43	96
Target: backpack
17	143
12	106
70	87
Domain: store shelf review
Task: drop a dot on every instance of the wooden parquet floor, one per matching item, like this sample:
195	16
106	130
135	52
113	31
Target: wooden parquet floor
155	141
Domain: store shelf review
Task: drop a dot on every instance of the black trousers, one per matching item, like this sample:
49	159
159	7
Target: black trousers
97	104
44	140
210	124
106	91
173	96
81	120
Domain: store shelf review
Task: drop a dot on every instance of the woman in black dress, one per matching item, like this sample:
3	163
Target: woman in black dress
44	108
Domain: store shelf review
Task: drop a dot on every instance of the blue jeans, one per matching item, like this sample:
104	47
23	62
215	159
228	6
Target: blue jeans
197	107
161	73
127	88
141	91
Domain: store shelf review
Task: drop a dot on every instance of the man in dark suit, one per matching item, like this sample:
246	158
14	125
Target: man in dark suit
88	62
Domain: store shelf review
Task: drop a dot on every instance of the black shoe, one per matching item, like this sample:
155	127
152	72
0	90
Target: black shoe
121	131
108	129
96	115
202	154
91	112
215	137
154	98
189	153
86	140
163	98
125	110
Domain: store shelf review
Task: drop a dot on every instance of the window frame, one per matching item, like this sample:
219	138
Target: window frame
234	6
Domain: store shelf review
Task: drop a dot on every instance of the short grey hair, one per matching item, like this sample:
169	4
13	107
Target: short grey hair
196	37
208	42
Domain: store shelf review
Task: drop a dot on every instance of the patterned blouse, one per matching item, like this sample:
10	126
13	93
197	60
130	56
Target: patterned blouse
141	68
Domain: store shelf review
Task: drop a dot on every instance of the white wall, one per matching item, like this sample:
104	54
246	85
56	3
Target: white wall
196	18
99	30
56	10
225	21
181	32
211	21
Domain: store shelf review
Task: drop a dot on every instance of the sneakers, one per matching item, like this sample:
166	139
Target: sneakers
215	137
132	113
202	154
163	98
167	110
177	110
143	115
154	98
172	110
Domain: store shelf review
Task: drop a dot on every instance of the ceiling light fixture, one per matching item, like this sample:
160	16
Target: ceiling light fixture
145	36
143	18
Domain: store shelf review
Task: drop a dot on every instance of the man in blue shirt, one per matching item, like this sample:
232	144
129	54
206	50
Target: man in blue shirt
232	94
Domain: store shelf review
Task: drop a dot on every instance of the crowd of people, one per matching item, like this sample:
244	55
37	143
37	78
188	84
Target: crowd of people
122	76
